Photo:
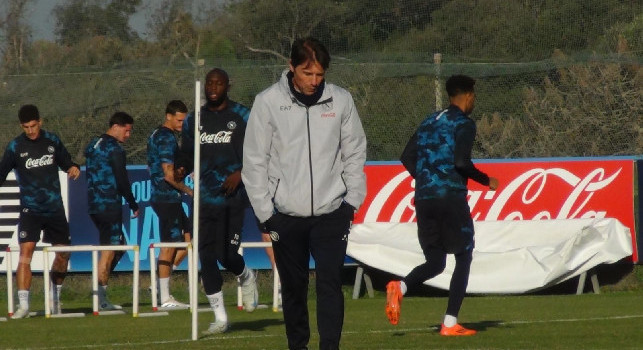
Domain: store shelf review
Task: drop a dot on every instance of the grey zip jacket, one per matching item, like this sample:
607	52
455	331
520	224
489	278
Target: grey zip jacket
303	161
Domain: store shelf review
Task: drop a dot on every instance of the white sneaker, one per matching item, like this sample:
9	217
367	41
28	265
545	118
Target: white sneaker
107	306
216	327
172	303
20	313
249	293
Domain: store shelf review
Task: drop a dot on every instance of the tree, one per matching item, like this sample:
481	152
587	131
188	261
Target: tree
172	26
269	27
15	32
79	19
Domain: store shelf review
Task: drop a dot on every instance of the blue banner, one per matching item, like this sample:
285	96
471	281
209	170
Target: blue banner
142	230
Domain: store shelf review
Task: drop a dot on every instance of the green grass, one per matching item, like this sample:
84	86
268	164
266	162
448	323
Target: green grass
611	320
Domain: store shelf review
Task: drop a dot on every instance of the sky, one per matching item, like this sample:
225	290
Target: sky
43	23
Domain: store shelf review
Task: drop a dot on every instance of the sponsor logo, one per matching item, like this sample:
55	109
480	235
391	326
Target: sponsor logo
533	194
39	162
284	108
219	137
51	149
328	115
232	125
24	154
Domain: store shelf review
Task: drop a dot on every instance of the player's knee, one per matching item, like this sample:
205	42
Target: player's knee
24	260
63	256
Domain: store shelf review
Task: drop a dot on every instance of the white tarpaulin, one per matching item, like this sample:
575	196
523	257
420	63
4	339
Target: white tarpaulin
509	257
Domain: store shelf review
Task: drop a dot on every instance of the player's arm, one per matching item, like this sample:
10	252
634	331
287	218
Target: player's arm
169	177
63	159
409	156
118	163
233	180
185	157
465	135
7	164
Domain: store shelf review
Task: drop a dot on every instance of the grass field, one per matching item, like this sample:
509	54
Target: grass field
610	320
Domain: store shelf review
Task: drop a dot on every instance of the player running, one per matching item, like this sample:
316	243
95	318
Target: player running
438	156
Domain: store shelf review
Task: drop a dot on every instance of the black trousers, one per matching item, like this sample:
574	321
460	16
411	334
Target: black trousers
324	237
220	228
444	226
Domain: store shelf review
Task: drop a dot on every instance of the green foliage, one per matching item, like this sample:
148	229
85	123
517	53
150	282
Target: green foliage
77	20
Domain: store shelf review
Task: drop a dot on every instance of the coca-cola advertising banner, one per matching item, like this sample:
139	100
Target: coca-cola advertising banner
528	190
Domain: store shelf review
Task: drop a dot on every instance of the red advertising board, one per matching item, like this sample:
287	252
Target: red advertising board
538	190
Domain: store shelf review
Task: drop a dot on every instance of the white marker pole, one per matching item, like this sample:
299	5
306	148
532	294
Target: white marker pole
195	208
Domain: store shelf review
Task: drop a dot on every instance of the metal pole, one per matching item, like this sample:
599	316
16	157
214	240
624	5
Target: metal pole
195	206
437	60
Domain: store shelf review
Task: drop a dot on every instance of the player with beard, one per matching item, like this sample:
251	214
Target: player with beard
223	198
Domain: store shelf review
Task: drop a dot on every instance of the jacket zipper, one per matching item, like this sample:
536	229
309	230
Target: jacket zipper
310	163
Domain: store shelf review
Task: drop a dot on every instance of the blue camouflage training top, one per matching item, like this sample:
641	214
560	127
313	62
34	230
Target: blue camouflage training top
36	163
221	137
438	155
162	146
107	181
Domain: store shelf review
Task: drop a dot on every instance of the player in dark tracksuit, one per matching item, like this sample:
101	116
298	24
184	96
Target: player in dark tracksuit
166	195
107	184
438	156
223	198
35	156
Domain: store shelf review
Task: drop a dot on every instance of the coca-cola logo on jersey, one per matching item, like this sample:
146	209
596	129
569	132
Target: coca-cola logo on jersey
219	137
39	162
526	192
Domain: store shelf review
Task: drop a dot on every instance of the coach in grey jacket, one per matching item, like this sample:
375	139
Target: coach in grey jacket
303	168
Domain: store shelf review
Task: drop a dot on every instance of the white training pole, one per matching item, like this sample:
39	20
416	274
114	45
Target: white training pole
95	282
9	266
152	258
137	263
45	276
195	207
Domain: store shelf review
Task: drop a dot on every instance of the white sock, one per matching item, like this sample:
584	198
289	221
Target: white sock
23	299
216	302
102	294
55	292
450	321
403	287
245	276
164	286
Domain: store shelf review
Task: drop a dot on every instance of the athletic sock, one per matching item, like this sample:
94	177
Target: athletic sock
216	302
164	288
23	299
403	287
450	321
55	292
245	275
102	294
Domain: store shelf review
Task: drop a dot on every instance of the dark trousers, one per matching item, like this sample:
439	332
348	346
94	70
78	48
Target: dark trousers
325	238
219	241
444	226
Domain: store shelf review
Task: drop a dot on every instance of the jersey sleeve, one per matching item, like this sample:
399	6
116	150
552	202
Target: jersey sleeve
7	163
465	135
118	163
410	155
63	158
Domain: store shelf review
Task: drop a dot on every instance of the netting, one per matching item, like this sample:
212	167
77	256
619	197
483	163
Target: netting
571	90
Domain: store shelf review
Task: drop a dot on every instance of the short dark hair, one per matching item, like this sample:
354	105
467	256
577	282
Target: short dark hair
309	49
121	119
28	113
459	84
176	106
